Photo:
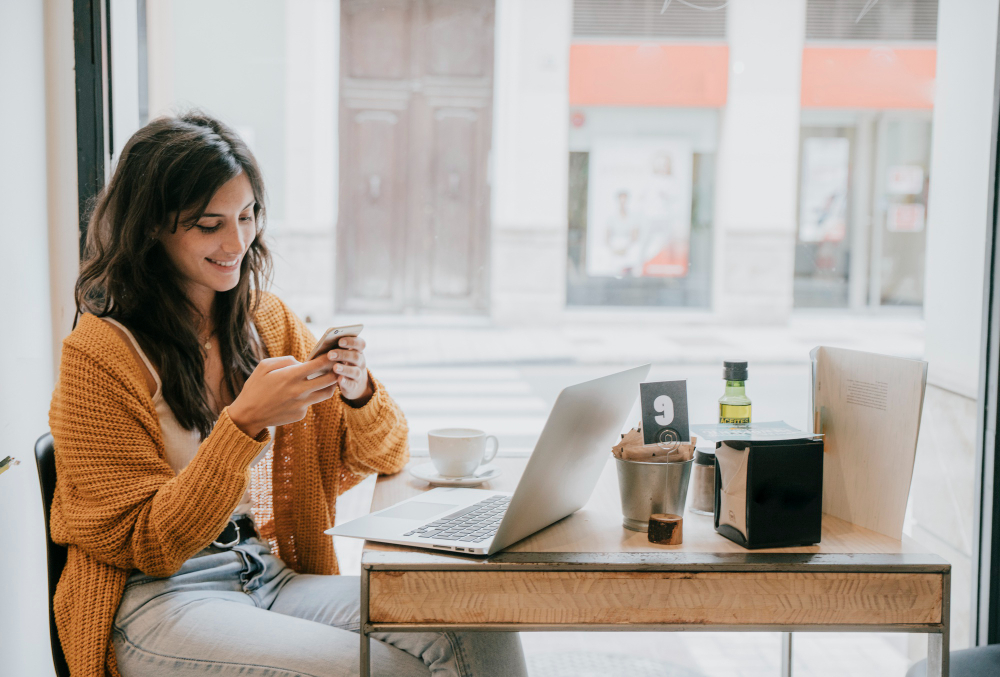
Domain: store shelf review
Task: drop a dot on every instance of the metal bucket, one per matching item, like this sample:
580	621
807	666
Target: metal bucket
651	488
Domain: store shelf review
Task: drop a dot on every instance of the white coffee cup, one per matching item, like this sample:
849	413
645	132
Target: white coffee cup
457	452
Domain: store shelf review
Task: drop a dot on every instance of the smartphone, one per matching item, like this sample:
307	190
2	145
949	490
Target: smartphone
330	338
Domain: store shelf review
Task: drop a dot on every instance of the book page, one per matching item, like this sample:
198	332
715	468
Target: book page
868	407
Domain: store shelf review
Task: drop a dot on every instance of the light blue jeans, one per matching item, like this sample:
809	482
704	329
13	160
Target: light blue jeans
243	612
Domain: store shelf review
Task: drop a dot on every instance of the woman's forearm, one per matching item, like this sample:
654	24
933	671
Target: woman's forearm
119	499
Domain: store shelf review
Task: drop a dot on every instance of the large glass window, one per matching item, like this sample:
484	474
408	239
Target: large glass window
516	195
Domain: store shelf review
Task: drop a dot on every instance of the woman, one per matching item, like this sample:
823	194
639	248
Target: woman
199	455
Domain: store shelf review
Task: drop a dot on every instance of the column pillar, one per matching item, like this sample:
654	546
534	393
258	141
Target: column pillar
959	208
757	176
305	244
530	160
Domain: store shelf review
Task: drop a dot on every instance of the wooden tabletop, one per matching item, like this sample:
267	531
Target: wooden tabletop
597	528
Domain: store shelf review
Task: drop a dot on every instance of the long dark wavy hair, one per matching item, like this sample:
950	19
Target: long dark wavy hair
165	178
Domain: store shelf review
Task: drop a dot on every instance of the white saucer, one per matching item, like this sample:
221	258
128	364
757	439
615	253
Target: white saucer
428	473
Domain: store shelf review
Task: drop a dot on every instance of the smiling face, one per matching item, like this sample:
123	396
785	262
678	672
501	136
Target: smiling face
208	251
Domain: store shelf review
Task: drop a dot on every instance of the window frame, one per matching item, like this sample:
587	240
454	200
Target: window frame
986	525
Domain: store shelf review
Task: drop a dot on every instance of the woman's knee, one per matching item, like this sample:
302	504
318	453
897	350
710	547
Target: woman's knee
330	600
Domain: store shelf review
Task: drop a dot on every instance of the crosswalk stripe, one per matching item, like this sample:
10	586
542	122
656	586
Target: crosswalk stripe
495	399
463	405
495	425
400	387
393	374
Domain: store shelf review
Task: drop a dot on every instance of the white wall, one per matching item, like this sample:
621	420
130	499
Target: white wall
529	172
283	101
60	122
304	249
958	210
531	113
25	343
245	86
125	72
160	56
758	160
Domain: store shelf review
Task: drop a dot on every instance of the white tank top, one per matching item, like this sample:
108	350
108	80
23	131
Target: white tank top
181	444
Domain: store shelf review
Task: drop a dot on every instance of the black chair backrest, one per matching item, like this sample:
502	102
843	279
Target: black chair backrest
45	460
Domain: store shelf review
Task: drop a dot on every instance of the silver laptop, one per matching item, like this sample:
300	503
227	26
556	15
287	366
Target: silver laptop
585	422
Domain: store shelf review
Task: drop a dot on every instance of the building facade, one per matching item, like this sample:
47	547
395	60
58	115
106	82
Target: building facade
522	160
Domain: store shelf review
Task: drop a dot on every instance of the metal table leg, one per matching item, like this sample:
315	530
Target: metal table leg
365	667
937	654
786	654
938	643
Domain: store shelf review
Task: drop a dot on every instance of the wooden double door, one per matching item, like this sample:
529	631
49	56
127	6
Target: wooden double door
416	90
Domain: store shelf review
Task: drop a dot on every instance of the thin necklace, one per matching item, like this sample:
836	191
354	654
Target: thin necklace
207	341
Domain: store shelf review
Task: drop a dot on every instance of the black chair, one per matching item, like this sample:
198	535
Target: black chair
45	460
981	661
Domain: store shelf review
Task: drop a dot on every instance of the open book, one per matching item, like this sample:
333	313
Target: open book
868	407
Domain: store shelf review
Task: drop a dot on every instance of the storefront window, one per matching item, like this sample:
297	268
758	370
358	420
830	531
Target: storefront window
645	89
901	210
823	247
640	205
867	90
862	209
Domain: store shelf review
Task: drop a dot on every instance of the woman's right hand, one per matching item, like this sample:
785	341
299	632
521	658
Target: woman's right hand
279	392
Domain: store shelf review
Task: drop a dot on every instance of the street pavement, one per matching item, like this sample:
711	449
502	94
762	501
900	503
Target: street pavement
513	402
468	372
604	338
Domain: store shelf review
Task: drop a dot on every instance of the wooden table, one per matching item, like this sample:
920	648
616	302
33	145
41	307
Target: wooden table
587	572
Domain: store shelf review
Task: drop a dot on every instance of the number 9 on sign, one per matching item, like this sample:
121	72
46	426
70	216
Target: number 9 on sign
665	406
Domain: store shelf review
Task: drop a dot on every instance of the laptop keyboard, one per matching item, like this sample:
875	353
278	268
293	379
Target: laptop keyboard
473	524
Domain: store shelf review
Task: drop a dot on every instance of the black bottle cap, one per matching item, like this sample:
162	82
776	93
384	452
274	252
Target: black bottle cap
734	371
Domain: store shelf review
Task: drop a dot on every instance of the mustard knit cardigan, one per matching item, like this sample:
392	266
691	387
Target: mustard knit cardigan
118	506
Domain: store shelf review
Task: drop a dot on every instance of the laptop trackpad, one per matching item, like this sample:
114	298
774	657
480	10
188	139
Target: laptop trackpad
415	510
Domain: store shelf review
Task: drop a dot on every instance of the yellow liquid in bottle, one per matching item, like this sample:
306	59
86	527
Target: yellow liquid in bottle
734	405
734	413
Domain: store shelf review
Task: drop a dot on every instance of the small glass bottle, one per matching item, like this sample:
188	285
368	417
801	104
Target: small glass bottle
703	481
734	405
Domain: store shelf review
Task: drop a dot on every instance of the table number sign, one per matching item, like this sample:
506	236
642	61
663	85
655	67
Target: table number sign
664	412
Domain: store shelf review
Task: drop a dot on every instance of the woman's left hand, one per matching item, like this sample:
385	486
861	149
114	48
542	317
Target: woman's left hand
352	370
